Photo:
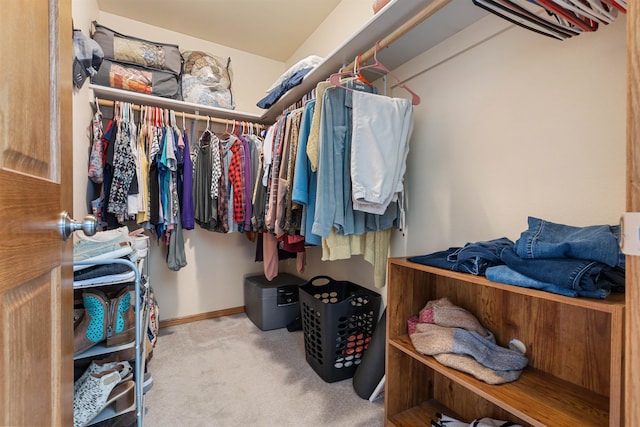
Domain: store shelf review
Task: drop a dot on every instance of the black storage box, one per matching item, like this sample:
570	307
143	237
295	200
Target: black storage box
338	319
272	304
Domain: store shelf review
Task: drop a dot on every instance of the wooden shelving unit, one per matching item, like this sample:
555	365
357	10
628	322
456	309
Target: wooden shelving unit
574	345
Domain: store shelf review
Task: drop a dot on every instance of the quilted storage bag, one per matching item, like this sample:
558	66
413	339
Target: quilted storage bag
136	51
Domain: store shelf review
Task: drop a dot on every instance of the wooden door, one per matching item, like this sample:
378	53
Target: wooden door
36	289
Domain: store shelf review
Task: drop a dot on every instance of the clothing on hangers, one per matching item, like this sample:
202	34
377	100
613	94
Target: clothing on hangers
382	127
519	18
148	173
569	17
526	13
206	177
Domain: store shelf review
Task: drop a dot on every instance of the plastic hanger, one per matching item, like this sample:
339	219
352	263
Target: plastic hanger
226	128
580	9
532	11
206	134
377	65
581	22
604	8
621	5
600	11
528	19
141	116
357	72
566	22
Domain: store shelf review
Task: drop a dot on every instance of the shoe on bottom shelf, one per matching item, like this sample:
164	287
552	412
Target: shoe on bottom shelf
98	392
98	366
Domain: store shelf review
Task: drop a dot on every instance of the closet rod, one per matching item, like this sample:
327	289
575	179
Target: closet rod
403	29
109	103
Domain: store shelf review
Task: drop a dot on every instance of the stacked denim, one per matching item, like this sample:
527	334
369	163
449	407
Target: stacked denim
473	258
567	260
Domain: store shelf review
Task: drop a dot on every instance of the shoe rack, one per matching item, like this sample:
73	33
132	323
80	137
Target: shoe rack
140	291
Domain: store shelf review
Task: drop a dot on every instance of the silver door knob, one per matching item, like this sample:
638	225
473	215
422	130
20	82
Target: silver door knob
68	225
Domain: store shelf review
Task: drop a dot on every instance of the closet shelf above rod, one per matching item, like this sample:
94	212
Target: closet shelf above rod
219	115
401	22
401	30
180	114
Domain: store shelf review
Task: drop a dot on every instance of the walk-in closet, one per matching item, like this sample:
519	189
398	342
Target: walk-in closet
520	122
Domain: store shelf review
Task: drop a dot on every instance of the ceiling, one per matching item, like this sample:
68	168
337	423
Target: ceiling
269	28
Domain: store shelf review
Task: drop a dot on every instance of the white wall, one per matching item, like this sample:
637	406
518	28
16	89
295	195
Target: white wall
518	125
345	20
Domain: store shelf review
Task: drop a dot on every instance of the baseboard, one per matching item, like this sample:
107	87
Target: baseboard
201	316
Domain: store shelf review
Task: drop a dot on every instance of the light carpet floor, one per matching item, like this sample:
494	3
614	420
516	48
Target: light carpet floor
226	372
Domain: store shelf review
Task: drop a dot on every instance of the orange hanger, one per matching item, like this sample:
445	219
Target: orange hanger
377	65
356	70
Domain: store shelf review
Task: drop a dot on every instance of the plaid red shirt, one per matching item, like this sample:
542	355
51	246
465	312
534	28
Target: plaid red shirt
236	176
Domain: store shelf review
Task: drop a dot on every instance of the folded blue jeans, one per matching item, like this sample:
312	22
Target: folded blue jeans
476	257
544	239
473	258
587	278
508	276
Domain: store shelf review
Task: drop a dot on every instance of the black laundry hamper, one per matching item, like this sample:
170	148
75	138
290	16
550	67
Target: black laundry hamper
338	320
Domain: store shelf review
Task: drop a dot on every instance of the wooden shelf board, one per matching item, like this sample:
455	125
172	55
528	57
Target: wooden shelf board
421	415
614	303
535	397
